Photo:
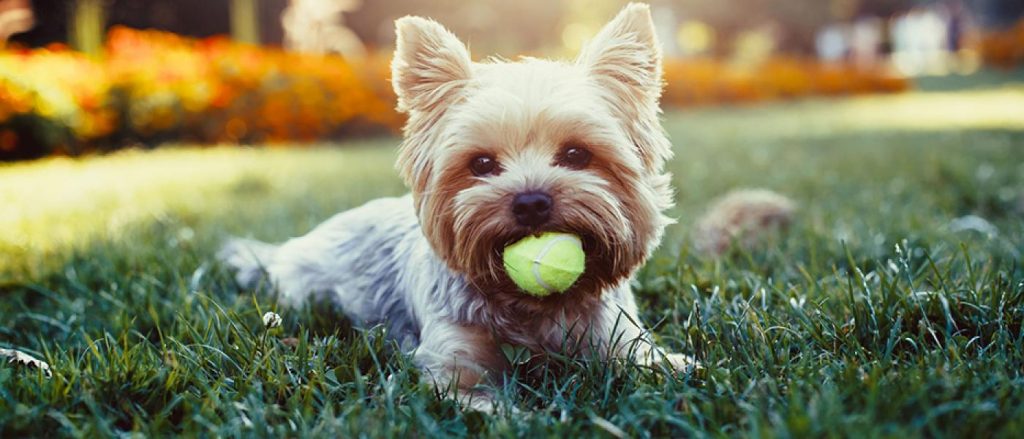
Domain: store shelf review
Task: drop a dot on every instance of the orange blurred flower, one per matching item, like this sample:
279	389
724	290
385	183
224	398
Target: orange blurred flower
155	86
702	81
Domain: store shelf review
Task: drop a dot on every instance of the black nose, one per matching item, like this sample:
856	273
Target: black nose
532	208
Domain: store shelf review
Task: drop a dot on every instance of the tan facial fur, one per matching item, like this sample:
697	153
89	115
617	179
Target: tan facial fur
524	114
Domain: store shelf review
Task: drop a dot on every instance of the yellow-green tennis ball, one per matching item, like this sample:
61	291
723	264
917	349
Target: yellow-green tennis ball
544	264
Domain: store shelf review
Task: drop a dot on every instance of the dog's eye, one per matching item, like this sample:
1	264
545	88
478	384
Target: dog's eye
575	157
483	165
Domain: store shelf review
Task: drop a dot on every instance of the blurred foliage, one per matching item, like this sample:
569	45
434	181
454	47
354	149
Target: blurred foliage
154	86
706	81
1004	48
50	96
215	90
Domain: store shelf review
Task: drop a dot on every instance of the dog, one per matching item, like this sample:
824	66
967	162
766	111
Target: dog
493	152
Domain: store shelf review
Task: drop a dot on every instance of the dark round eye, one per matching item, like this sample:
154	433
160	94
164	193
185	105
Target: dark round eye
575	157
483	165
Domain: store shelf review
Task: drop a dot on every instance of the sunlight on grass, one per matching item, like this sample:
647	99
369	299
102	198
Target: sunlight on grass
64	203
60	203
999	108
982	109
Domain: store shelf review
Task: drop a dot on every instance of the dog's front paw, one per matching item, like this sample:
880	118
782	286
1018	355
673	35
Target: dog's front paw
484	402
682	363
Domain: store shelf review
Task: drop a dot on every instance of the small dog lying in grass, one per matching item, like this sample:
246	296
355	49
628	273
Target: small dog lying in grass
494	152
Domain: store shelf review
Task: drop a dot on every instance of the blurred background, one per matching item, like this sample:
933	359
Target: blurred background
96	75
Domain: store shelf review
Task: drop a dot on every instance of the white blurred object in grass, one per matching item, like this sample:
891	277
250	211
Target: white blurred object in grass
974	223
271	320
22	359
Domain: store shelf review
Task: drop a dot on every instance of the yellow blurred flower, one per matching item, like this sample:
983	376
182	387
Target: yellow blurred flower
166	86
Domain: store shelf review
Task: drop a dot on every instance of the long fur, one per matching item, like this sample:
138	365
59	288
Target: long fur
428	265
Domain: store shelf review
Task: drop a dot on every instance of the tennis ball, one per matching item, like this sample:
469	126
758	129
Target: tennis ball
546	263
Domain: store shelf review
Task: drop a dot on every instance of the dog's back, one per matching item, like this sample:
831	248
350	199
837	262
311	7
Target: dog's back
354	259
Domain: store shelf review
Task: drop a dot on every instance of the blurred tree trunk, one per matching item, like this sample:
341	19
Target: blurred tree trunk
245	22
87	23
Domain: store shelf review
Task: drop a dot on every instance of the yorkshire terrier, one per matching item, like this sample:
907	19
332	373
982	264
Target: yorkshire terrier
495	151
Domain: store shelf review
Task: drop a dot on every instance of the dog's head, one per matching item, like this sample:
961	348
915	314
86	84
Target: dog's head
495	151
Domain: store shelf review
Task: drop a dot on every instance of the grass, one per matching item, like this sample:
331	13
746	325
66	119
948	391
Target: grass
874	316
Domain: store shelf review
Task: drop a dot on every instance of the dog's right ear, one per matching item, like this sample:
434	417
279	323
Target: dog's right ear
430	65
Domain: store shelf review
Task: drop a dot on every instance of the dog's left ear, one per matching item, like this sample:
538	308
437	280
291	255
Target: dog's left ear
625	59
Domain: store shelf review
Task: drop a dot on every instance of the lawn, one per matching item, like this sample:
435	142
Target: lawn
886	310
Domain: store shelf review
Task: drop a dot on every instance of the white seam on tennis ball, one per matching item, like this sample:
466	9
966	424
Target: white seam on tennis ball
543	252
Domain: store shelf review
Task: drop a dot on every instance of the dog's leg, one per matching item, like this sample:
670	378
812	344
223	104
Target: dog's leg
460	358
622	335
627	339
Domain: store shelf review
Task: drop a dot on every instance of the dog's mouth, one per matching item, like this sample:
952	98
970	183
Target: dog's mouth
596	270
586	238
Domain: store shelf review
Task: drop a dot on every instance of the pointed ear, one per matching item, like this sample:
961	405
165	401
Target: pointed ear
625	61
430	64
626	55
